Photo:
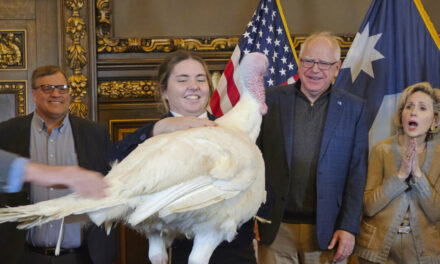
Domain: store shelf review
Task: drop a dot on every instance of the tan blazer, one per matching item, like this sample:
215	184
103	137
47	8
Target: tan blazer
387	199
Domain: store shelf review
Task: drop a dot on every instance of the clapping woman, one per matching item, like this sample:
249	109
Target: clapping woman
401	201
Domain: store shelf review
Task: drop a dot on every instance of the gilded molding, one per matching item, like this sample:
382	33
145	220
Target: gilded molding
77	58
19	89
207	43
105	44
127	89
12	50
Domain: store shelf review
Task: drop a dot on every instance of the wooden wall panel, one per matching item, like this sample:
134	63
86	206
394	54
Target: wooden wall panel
163	18
27	47
17	9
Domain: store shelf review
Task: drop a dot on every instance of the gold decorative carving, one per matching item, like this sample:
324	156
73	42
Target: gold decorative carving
19	89
207	44
12	49
127	89
107	45
76	56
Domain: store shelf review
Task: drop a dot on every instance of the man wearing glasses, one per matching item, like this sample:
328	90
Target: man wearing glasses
52	136
314	141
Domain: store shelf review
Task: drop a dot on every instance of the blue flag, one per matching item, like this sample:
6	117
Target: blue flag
396	46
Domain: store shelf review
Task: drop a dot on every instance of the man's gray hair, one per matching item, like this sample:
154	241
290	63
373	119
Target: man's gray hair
327	35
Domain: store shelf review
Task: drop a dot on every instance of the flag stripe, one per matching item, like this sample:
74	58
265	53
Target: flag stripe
233	93
428	23
215	104
287	31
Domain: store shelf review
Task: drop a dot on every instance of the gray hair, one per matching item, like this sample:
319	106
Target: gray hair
324	34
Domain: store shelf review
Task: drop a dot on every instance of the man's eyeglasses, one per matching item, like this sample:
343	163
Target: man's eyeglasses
322	65
47	88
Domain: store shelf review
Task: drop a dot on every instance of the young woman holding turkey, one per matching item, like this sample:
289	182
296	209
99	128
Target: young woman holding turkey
185	88
401	200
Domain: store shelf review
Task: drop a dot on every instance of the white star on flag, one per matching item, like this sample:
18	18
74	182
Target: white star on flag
284	60
282	71
362	53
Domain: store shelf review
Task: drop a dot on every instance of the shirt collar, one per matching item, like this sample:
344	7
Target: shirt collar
297	86
203	115
40	124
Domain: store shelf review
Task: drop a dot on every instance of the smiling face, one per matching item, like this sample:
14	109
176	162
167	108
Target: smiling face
51	107
315	81
187	90
418	115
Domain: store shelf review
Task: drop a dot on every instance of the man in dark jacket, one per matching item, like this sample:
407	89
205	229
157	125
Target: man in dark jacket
314	141
51	136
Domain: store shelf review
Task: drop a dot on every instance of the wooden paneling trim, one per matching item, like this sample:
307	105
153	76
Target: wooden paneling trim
119	128
19	89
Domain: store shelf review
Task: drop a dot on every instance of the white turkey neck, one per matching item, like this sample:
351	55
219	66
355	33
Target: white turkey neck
244	116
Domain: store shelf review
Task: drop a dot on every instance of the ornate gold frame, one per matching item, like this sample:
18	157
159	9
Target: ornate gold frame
13	49
120	127
19	89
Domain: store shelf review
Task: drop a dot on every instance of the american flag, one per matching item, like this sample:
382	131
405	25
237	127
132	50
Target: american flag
266	33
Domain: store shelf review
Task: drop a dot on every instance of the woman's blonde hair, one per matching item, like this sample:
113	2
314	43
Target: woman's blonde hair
426	88
167	66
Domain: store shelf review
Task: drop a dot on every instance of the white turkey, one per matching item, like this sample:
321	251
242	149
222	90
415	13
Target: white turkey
202	183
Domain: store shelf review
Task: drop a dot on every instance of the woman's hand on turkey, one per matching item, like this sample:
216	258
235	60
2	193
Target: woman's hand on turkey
171	124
